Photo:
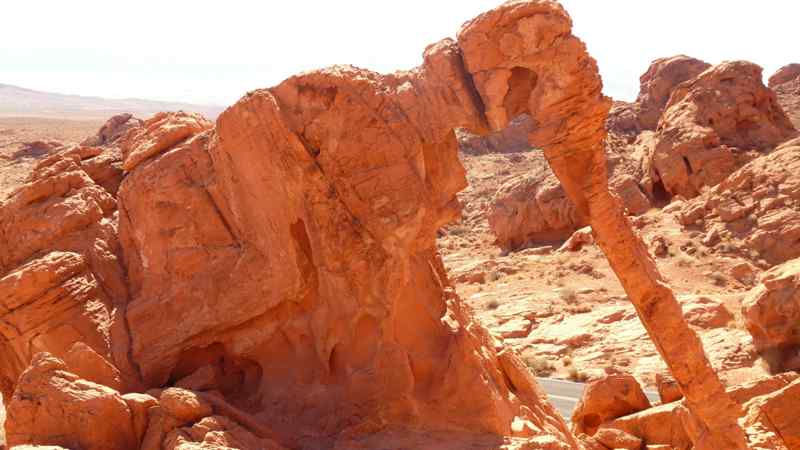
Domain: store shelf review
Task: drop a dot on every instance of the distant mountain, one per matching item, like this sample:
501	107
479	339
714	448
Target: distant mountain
17	101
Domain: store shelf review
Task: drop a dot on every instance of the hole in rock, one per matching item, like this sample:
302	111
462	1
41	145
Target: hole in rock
661	197
520	85
238	379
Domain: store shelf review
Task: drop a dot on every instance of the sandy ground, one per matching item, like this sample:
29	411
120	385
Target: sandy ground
566	312
16	160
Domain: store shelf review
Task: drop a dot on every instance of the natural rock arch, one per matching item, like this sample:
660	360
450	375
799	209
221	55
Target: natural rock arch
295	241
569	111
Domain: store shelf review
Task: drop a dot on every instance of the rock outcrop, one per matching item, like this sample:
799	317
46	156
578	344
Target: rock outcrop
532	209
775	415
671	425
294	262
658	83
112	130
511	139
786	84
714	124
535	209
62	280
283	264
755	211
772	310
52	406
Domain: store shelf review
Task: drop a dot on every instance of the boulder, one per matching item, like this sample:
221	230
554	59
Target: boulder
704	312
158	134
532	209
660	425
606	399
786	84
184	405
216	432
578	240
85	362
714	124
112	130
618	439
668	389
672	425
52	406
772	310
776	413
658	83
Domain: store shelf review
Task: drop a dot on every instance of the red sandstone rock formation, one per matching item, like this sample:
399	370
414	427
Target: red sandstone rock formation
112	130
569	113
756	209
785	74
775	416
714	124
54	406
320	277
671	425
62	281
512	139
535	209
658	83
772	310
786	84
532	209
607	399
297	259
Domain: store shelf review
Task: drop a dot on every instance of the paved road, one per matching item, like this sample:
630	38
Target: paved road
564	395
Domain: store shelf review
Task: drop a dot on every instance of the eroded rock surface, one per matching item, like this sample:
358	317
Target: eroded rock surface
756	209
714	124
786	84
606	399
52	406
772	311
273	281
62	280
658	83
511	139
114	129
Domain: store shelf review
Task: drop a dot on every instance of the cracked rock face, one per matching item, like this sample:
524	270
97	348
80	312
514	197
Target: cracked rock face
658	83
282	263
714	124
786	84
285	259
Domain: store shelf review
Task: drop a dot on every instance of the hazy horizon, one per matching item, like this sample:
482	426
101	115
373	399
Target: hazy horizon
213	56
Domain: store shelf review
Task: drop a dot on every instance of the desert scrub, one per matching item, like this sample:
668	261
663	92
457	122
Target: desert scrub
540	367
568	294
576	375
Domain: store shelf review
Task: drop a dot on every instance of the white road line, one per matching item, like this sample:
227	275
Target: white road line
559	397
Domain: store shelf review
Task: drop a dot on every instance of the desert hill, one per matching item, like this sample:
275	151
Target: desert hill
17	101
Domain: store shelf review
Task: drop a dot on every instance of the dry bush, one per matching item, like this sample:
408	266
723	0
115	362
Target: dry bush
540	366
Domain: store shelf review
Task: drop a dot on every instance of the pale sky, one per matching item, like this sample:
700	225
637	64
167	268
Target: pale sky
213	52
